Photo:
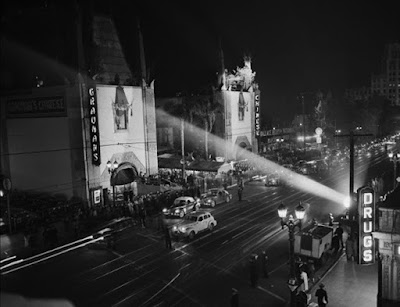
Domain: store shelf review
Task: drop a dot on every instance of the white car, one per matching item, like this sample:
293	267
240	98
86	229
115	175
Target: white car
193	224
181	206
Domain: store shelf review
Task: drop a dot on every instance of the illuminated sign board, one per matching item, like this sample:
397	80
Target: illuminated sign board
36	107
94	127
257	112
366	213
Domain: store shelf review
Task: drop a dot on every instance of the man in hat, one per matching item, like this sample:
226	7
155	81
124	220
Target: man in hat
322	296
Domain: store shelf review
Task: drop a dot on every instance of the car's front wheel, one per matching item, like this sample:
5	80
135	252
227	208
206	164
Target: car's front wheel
181	214
212	204
211	226
191	235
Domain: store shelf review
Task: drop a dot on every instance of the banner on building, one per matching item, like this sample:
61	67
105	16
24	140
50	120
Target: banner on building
94	126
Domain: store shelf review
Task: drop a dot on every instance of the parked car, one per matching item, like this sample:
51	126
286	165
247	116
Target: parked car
193	224
215	196
273	179
181	206
306	167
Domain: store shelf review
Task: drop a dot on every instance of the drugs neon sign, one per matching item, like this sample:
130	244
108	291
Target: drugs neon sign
366	213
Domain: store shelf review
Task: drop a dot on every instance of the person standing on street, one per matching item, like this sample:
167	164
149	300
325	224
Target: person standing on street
240	192
264	262
253	270
331	219
142	215
168	242
322	296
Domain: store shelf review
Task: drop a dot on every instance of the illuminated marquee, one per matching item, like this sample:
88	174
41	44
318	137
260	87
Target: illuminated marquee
366	210
94	127
257	112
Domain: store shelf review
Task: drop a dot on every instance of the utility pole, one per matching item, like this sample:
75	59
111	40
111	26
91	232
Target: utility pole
304	122
351	136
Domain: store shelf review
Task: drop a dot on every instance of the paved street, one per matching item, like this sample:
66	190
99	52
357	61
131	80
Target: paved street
142	272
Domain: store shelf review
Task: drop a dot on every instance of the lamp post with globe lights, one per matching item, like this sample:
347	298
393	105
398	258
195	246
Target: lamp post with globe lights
291	225
112	167
395	157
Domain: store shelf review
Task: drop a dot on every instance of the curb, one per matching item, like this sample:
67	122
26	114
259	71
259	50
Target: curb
327	271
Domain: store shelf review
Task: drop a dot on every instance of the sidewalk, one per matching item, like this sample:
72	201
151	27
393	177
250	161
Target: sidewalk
350	284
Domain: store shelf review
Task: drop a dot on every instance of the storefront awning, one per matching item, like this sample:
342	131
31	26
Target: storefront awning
201	166
124	174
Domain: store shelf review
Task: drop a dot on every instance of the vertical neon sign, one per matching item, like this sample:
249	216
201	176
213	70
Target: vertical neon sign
94	127
366	213
257	112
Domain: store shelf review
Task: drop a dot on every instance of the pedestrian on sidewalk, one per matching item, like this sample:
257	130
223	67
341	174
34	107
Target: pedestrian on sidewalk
235	298
339	232
322	296
240	192
311	270
335	244
301	299
168	242
253	270
349	248
264	263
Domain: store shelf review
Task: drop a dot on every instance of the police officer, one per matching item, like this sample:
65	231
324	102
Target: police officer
264	263
240	192
168	242
253	270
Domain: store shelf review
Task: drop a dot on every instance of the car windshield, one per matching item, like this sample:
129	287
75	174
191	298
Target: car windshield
213	192
191	218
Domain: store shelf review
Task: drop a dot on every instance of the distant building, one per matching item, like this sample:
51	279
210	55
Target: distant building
358	94
387	83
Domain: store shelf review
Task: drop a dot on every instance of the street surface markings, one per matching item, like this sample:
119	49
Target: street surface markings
148	237
271	293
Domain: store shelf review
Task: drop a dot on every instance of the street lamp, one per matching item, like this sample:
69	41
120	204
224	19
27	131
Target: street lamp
291	225
112	167
394	156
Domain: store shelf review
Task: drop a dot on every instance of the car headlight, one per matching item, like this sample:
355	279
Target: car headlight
174	228
177	211
182	229
165	210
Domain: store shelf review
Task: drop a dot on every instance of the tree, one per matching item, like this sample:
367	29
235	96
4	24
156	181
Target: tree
205	108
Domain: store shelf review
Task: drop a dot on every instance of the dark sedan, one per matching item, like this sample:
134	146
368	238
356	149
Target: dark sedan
215	196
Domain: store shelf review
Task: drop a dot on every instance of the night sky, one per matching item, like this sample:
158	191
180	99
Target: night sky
296	46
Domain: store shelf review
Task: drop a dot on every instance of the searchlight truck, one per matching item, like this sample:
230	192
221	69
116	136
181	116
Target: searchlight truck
313	243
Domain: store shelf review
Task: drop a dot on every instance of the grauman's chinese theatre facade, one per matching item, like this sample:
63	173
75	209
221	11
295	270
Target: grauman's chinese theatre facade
58	140
239	123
